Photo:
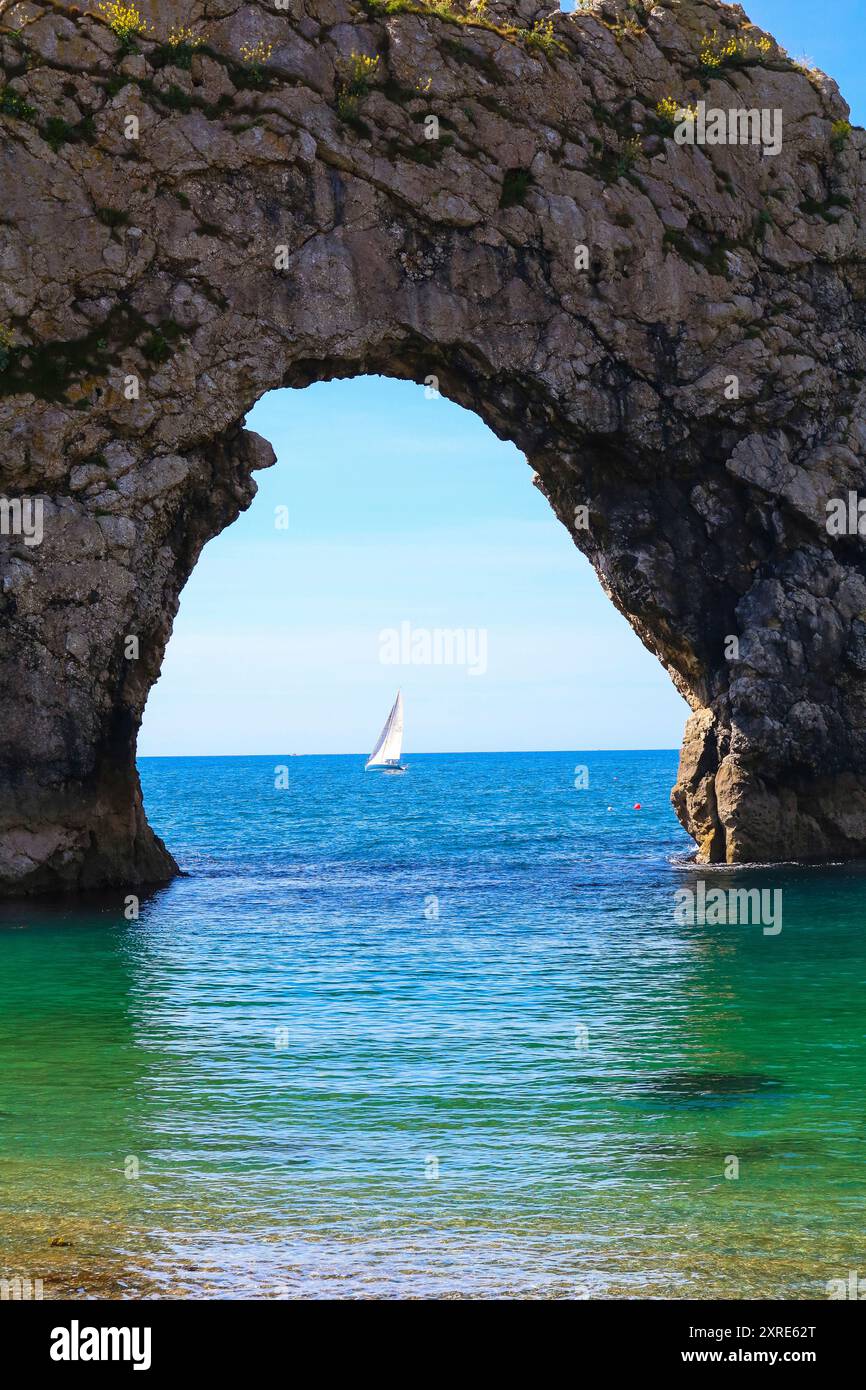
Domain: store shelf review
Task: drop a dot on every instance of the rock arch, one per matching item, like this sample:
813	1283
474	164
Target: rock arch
694	378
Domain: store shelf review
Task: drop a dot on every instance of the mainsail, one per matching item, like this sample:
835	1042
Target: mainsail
390	744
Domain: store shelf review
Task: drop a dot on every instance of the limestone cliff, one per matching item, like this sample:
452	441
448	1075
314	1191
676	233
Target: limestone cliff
494	195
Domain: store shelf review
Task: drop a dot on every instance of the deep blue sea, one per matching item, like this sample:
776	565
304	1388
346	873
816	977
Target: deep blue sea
437	1034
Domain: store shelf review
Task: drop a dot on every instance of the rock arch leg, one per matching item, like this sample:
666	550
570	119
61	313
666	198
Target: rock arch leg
766	642
84	629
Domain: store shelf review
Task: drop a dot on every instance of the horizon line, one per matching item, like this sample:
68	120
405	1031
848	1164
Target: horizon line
448	753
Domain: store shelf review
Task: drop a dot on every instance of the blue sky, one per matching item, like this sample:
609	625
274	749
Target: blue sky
407	509
831	34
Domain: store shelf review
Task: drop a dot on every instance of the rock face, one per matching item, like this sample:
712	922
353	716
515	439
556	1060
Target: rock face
673	333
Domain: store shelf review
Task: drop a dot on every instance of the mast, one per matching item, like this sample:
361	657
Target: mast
390	744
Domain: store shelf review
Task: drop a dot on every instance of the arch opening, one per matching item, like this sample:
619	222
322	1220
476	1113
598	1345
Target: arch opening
394	521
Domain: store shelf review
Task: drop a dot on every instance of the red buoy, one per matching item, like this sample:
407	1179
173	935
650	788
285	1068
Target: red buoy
637	805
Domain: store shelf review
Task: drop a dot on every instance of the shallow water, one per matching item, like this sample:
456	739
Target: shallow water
432	1035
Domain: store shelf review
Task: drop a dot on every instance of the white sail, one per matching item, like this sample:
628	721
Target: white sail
390	744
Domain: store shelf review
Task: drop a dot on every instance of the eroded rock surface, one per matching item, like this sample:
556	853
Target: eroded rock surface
283	220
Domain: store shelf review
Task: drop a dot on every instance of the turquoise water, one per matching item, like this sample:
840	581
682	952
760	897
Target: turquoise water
432	1035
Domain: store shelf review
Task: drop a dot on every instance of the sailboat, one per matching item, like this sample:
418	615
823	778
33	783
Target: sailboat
385	757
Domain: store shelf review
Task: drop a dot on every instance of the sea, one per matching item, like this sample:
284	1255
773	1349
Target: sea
443	1034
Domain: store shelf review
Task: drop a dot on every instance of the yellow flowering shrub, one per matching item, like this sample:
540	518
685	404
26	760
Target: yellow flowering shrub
181	36
671	112
739	48
124	20
256	53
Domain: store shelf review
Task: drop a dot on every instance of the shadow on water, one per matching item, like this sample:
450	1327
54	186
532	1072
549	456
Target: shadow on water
86	909
698	1088
71	1067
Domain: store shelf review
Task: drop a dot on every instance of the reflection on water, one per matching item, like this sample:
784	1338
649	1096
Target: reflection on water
440	1036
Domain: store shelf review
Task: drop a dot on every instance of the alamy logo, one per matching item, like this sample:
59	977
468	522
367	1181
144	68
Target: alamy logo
846	516
847	1288
744	907
22	516
77	1343
21	1290
438	646
700	125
